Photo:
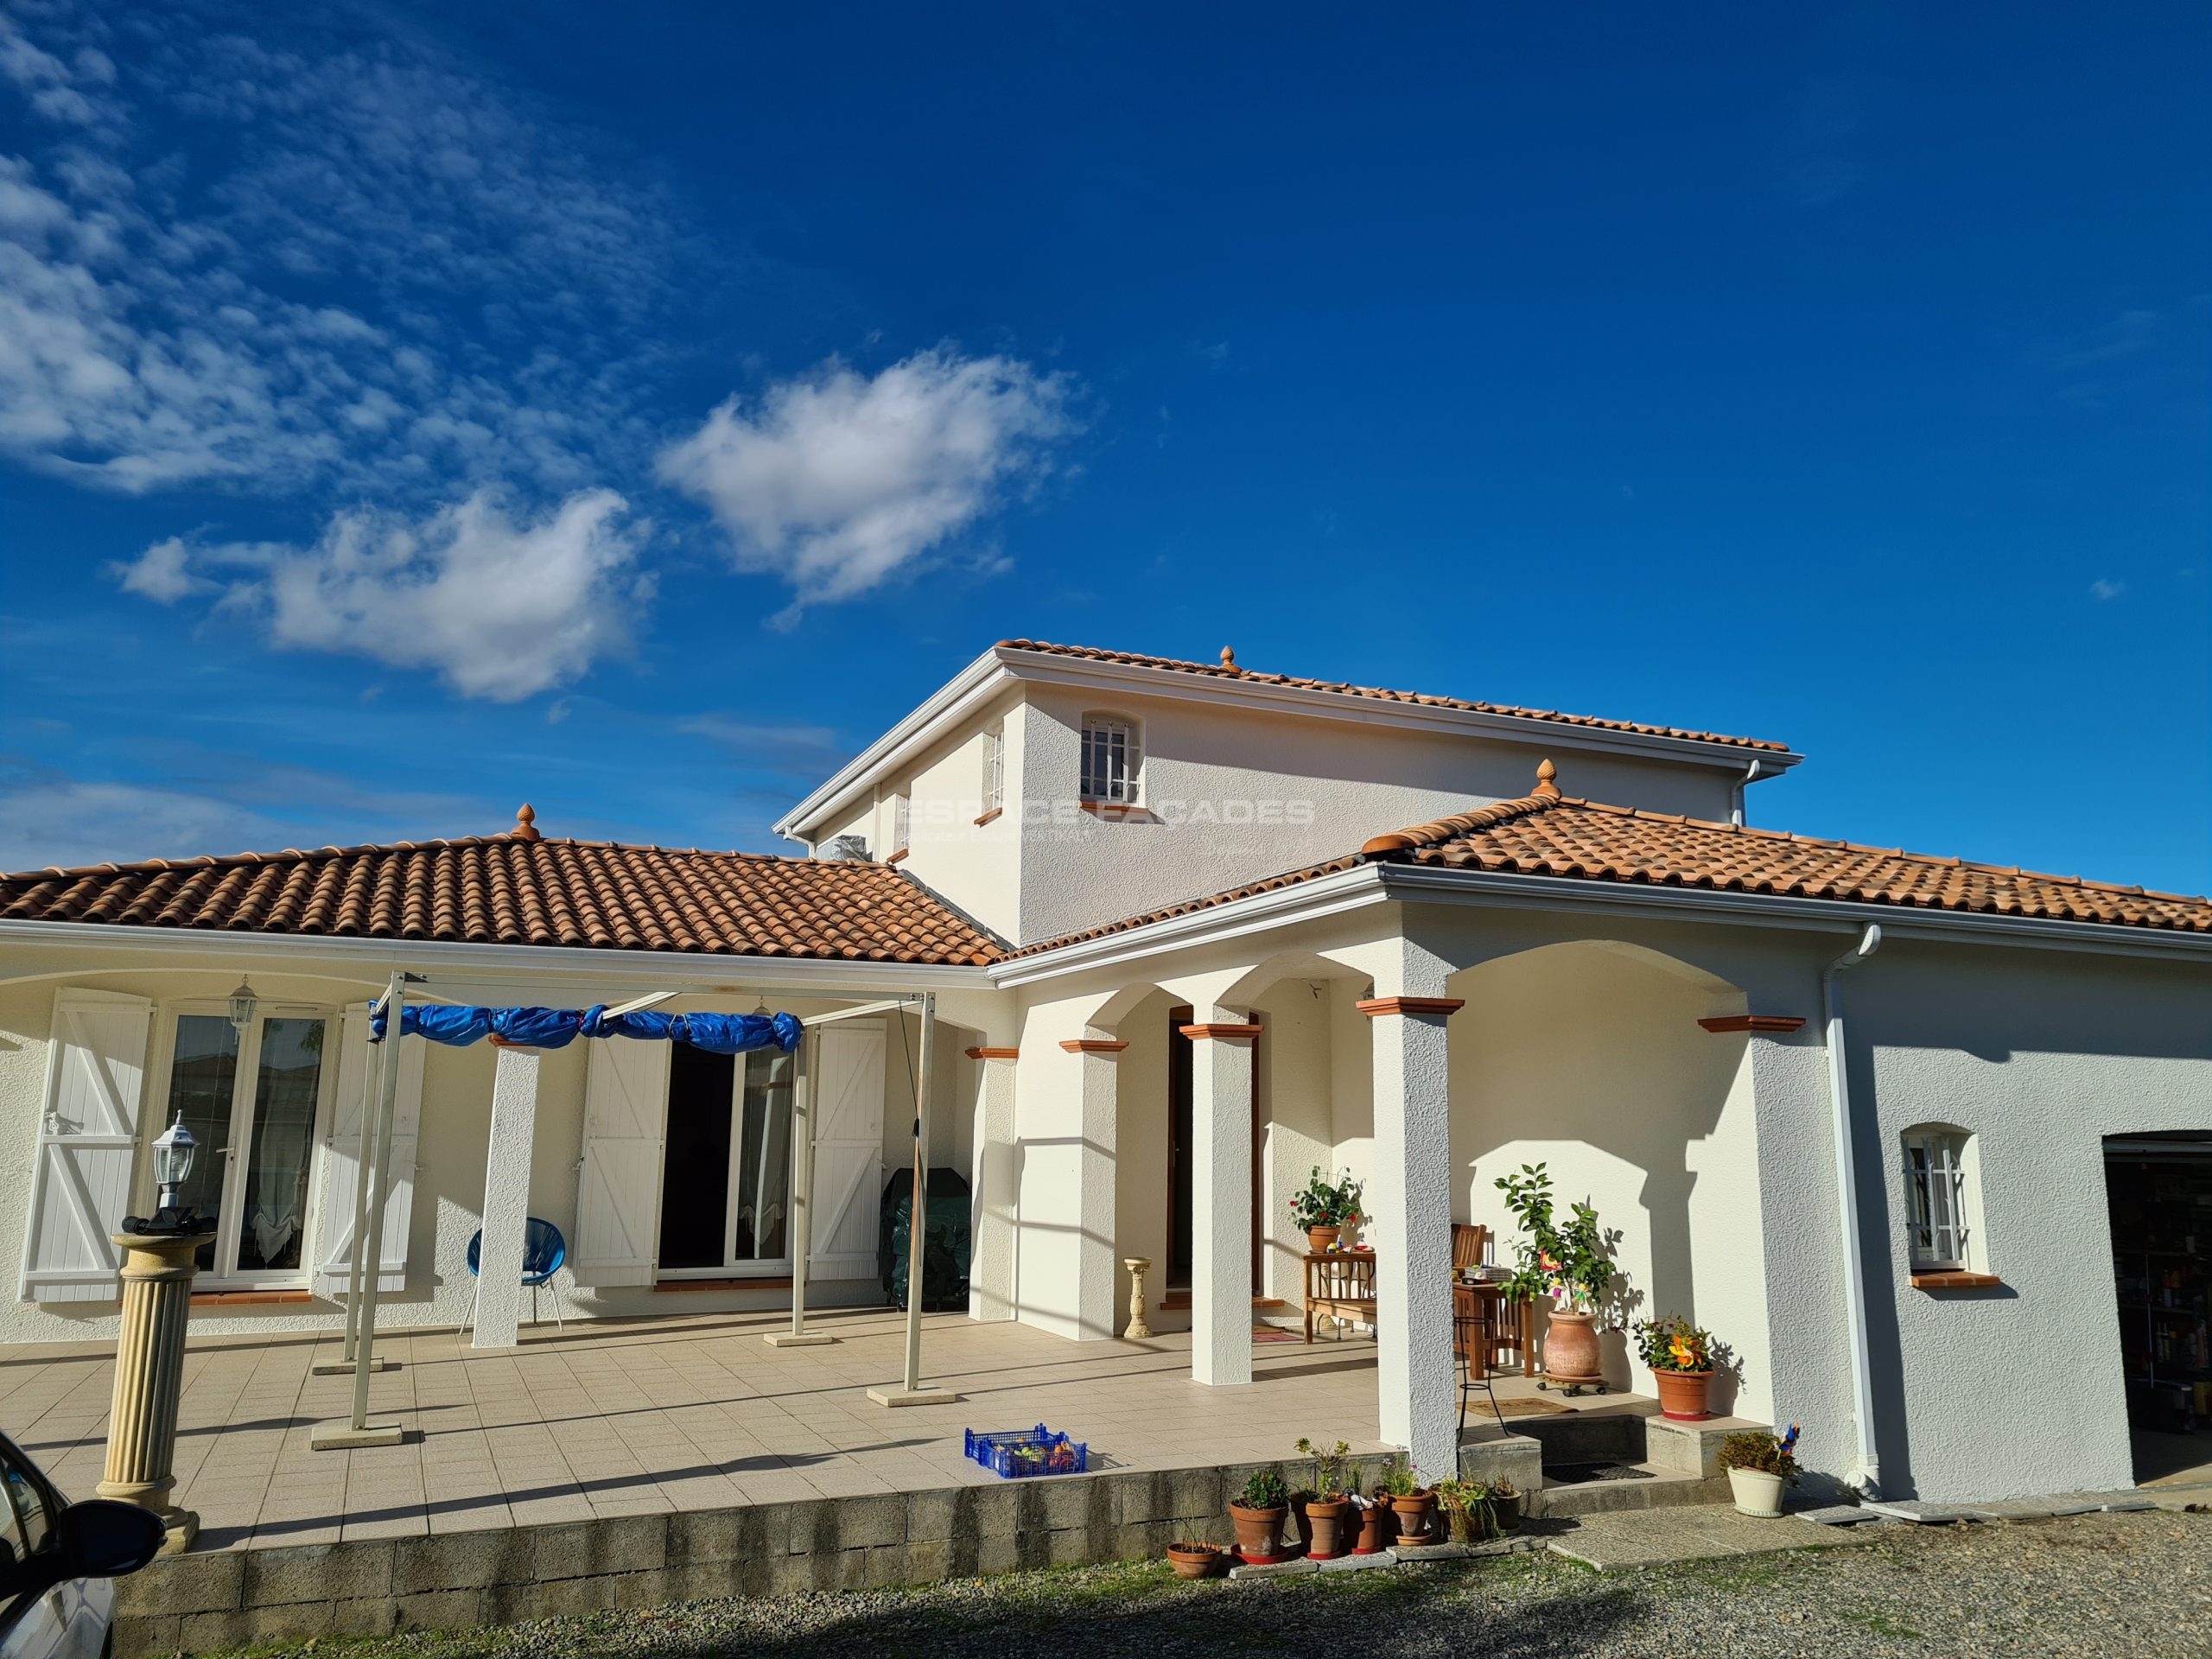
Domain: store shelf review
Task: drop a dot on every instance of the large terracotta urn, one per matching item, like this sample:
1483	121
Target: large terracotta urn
1571	1348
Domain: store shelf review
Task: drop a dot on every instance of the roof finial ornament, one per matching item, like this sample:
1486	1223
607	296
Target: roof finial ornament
525	824
1228	660
1545	774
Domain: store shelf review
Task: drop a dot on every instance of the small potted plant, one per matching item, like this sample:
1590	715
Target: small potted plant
1412	1506
1758	1466
1463	1503
1373	1515
1504	1504
1325	1507
1193	1560
1569	1268
1325	1207
1681	1357
1258	1517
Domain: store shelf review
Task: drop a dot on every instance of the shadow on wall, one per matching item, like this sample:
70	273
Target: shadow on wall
1588	1057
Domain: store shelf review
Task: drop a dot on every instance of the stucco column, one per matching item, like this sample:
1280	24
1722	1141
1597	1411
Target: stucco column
994	1207
157	1272
1099	1105
1409	1209
1221	1194
507	1197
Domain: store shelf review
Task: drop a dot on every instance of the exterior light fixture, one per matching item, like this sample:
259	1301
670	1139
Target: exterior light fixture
243	1002
173	1149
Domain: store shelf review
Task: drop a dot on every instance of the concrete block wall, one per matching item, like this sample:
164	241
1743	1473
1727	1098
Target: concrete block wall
242	1598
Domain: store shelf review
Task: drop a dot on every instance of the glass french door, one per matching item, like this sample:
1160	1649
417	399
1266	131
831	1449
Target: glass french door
726	1181
252	1099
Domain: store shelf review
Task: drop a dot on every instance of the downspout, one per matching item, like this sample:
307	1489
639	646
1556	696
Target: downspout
1751	775
1868	1477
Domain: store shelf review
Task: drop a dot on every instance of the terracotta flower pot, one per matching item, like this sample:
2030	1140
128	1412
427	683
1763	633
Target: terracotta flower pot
1374	1529
1571	1348
1258	1532
1416	1517
1319	1240
1195	1560
1324	1528
1684	1395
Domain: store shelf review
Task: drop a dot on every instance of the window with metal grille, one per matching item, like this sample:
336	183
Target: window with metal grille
994	771
902	818
1110	760
1934	1161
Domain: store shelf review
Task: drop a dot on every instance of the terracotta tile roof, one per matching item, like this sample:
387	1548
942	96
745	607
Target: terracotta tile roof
1554	835
520	888
1227	669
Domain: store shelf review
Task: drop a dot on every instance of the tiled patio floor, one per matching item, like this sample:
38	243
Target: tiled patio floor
644	1416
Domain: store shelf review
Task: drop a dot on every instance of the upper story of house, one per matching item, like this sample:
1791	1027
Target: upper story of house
1047	789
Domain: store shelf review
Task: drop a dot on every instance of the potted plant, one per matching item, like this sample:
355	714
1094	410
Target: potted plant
1325	1207
1569	1267
1412	1506
1192	1560
1374	1519
1680	1358
1326	1507
1504	1504
1258	1517
1465	1504
1758	1466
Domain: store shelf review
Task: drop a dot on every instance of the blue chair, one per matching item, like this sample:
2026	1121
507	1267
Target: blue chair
543	1250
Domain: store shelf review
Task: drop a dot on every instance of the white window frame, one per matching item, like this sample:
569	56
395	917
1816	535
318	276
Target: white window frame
154	1114
1940	1236
1101	783
902	821
732	1266
994	771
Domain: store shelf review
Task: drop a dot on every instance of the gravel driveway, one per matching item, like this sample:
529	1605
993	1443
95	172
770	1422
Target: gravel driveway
2120	1585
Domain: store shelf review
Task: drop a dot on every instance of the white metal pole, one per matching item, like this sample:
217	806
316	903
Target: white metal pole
368	1236
372	1086
913	1393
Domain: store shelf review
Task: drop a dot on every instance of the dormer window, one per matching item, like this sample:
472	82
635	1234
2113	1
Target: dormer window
1111	760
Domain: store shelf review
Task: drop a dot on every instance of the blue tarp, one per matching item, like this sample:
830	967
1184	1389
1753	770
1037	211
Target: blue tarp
718	1034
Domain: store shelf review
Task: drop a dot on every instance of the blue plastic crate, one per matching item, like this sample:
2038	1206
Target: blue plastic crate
1014	1454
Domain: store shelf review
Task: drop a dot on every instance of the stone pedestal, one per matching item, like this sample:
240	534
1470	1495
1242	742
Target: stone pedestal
1138	1266
157	1275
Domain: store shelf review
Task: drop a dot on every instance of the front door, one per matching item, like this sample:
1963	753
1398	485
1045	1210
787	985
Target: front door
252	1099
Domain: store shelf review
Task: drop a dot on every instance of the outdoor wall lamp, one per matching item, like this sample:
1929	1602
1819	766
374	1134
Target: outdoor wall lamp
242	1006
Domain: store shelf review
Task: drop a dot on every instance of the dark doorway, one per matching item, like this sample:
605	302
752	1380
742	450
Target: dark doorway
2158	1188
1178	1151
695	1179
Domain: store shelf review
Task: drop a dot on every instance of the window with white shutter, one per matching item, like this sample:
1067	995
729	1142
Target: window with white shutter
902	821
994	771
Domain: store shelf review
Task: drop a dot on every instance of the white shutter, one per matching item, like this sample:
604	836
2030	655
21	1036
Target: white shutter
847	1148
618	1184
87	1142
338	1186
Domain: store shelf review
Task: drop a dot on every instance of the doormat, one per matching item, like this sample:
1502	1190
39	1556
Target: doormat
1272	1333
1529	1408
1582	1474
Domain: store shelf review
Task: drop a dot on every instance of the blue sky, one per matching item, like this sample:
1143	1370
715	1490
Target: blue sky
406	412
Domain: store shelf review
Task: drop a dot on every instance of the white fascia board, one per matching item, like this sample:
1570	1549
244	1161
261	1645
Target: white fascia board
1301	901
1380	883
1220	690
1423	884
982	680
977	684
521	962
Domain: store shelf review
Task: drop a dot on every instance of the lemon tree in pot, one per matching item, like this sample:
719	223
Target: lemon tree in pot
1680	1358
1258	1516
1325	1207
1759	1466
1567	1267
1327	1509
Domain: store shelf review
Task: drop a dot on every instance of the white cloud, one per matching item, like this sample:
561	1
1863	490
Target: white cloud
833	480
65	823
498	608
2102	588
159	572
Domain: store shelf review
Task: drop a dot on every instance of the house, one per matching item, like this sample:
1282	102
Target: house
1192	930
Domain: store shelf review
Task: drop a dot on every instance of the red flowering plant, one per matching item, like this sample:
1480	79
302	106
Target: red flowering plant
1325	1203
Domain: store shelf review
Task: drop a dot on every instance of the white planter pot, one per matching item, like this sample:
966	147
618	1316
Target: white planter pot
1757	1492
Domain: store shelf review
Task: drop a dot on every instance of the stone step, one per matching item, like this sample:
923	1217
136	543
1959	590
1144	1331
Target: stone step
1665	1490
